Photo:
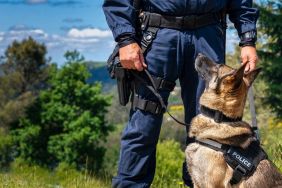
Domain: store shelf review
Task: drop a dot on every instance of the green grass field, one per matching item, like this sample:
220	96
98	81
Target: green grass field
37	177
168	173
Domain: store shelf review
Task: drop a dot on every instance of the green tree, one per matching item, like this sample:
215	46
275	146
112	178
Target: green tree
24	71
27	58
270	26
67	122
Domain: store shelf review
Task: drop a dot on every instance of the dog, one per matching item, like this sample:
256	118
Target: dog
223	102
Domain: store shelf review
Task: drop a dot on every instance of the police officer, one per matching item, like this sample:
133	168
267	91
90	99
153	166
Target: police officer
182	29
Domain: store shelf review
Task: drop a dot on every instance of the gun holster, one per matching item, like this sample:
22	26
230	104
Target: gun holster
116	71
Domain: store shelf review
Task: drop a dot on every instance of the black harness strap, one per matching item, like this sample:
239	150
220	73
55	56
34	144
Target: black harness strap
148	37
212	144
148	105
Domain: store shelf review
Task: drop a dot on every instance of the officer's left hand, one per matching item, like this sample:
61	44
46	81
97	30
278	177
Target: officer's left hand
249	56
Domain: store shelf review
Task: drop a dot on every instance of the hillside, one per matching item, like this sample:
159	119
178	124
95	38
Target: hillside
99	73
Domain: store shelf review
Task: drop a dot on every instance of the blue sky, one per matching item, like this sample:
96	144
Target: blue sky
61	25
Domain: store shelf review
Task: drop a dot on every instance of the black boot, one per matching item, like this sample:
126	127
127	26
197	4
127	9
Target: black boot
186	176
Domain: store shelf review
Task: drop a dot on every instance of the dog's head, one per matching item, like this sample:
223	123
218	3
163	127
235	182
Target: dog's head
226	88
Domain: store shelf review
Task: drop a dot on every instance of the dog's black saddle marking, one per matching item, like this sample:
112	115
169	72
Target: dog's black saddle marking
243	161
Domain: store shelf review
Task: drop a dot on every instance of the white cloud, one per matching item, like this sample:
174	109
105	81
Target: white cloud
53	44
1	36
85	41
89	32
90	42
36	1
19	34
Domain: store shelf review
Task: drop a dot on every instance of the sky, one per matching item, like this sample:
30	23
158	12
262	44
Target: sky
61	25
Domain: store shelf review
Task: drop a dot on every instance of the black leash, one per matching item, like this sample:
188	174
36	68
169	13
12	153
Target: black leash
153	89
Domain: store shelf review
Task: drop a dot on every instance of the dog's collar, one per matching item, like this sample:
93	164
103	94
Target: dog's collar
217	115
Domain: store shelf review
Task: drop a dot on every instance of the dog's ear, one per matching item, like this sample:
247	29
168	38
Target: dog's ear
251	76
238	75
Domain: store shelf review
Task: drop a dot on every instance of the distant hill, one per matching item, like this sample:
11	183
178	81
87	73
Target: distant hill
1	70
100	73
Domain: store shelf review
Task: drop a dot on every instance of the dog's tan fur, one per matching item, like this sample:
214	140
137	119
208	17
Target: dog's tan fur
207	167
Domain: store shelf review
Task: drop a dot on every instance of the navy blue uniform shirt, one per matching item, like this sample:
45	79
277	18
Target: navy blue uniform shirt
121	17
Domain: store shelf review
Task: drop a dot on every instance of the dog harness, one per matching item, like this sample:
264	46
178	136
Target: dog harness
243	161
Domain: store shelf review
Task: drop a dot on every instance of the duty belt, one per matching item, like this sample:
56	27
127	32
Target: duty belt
178	22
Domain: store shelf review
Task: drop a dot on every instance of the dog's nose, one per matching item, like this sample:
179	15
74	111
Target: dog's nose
198	61
200	55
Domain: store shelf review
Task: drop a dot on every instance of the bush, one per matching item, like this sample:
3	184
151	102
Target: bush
6	149
169	165
272	143
67	122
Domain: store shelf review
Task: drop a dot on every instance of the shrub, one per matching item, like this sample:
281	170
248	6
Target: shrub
6	149
67	122
272	143
169	165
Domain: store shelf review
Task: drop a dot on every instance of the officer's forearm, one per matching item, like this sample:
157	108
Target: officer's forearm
243	15
120	16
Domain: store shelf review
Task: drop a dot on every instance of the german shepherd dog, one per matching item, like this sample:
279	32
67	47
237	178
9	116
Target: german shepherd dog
225	92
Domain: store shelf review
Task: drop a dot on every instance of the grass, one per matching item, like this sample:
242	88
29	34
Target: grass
272	142
23	176
168	172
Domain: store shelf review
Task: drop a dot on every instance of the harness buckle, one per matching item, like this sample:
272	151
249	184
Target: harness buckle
238	173
241	170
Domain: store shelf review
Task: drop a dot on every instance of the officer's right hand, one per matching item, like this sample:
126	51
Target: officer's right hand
131	57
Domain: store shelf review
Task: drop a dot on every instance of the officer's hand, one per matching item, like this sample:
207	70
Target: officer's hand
131	57
249	56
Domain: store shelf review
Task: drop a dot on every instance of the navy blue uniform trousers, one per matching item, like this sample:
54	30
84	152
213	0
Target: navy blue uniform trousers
171	56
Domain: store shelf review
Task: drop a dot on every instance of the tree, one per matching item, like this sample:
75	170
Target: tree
67	122
270	26
24	71
27	58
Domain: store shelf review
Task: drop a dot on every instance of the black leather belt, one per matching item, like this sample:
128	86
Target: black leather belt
179	22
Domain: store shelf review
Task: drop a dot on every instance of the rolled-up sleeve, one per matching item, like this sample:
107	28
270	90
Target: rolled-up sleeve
243	15
120	16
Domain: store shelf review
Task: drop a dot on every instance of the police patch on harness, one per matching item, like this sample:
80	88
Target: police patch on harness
244	161
236	155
